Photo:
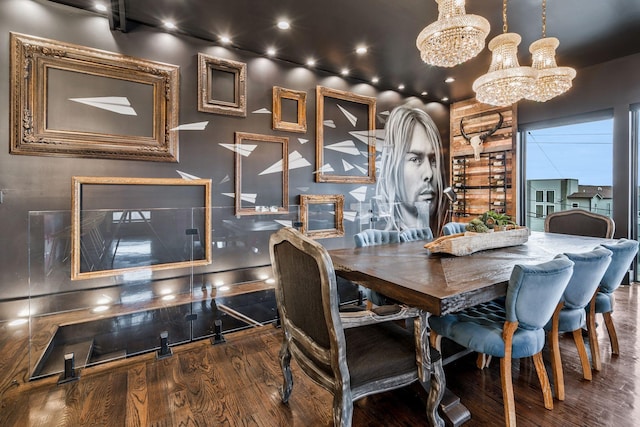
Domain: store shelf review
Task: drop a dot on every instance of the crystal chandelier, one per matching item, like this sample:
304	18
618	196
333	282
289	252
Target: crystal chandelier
454	38
506	82
552	80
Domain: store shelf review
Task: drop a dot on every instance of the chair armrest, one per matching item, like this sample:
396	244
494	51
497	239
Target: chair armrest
381	314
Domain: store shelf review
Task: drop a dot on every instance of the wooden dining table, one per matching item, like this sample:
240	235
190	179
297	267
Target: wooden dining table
438	283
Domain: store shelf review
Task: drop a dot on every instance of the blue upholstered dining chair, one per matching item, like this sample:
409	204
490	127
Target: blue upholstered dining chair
415	234
588	269
623	252
453	228
371	237
515	330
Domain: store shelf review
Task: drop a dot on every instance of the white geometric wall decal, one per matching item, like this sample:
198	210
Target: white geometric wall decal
242	149
225	179
295	161
262	111
352	119
116	104
347	147
247	197
186	176
325	168
329	124
192	126
346	165
350	215
360	193
303	141
303	189
361	169
377	137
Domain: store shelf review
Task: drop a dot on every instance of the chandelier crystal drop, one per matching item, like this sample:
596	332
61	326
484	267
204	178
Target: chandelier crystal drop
506	82
454	38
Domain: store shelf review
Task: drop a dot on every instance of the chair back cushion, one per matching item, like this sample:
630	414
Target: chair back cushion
376	237
580	222
414	234
453	228
535	290
623	252
588	269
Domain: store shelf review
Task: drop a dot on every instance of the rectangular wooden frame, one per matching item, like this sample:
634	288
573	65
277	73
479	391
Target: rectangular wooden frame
76	220
301	99
239	138
308	200
321	176
31	60
206	101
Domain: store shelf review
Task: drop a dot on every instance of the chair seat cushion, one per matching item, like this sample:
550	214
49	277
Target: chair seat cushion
604	302
379	351
479	328
570	319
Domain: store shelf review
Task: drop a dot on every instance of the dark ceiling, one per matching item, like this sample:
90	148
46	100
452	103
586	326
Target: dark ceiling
590	32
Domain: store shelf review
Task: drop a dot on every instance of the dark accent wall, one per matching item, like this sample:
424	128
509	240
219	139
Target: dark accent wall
32	183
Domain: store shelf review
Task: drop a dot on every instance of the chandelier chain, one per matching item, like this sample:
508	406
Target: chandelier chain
544	18
505	27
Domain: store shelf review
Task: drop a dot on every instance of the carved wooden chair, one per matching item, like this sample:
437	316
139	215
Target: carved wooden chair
623	252
588	269
580	222
514	330
352	355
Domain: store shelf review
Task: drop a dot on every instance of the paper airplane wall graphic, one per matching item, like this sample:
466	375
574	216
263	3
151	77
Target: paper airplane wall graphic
192	126
116	104
303	141
346	165
352	119
375	137
262	111
242	149
284	222
186	176
225	179
347	147
295	161
350	215
360	193
247	197
329	124
325	168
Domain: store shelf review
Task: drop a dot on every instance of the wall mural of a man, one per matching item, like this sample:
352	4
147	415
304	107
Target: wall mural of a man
409	190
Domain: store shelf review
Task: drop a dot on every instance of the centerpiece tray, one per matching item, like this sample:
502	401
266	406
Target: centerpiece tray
469	242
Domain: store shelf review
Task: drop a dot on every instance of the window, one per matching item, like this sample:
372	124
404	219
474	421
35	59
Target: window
551	197
539	210
550	209
574	205
539	196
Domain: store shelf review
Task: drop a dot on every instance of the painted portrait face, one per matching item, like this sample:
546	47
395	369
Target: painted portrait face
419	168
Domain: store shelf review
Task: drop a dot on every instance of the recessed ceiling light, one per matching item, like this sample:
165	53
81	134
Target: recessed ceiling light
344	72
225	39
361	50
400	87
424	93
100	7
445	99
283	24
271	51
449	80
311	62
375	80
170	25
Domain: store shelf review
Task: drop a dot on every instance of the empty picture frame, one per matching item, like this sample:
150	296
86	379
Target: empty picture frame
289	103
262	174
75	101
222	86
345	137
322	215
121	225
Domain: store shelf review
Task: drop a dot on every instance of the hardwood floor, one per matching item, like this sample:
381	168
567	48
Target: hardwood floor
237	384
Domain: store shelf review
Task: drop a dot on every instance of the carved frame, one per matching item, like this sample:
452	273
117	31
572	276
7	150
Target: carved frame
300	97
34	62
207	66
308	200
79	182
243	138
370	102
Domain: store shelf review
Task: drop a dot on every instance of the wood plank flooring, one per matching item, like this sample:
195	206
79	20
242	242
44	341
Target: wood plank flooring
237	384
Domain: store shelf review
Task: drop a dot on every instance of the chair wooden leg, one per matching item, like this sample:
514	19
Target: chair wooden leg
596	361
582	353
544	380
505	375
613	336
285	364
483	361
554	349
435	340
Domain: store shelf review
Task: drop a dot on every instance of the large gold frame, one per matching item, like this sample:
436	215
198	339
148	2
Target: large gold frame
31	60
76	221
370	102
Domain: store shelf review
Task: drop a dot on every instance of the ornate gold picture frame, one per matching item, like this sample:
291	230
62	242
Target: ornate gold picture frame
168	217
322	215
75	101
261	167
345	137
300	98
222	86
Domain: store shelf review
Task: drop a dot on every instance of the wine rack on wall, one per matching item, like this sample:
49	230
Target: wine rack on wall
489	182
